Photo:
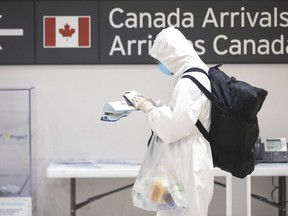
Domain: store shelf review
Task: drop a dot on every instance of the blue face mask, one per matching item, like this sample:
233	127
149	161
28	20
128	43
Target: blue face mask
165	70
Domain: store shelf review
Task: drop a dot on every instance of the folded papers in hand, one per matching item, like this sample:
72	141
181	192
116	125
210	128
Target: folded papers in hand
114	111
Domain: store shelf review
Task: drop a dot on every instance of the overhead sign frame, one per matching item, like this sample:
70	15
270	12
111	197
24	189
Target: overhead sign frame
122	32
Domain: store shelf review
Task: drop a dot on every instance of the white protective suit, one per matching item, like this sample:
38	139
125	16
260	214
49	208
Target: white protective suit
175	123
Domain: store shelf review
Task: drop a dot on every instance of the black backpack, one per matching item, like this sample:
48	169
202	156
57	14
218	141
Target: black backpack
234	125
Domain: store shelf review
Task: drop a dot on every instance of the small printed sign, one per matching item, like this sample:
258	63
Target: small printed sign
16	206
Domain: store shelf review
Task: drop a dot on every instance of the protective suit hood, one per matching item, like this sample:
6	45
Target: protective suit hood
173	50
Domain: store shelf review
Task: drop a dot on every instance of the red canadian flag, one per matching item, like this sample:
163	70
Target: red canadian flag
66	32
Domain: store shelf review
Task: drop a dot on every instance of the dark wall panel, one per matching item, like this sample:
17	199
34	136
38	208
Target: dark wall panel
17	32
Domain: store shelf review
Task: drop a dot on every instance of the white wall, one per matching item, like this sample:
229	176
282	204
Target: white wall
69	101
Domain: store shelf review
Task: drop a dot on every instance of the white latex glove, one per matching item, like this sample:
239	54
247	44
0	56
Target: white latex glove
143	103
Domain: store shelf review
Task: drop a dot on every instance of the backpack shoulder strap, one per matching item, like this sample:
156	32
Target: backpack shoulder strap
199	125
202	129
208	94
195	69
200	86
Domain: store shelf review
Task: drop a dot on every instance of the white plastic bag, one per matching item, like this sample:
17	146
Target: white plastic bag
157	186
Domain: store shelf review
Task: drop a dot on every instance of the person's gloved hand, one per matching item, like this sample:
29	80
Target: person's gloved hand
143	103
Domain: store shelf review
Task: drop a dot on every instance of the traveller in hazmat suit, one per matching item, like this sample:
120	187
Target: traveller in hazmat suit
175	123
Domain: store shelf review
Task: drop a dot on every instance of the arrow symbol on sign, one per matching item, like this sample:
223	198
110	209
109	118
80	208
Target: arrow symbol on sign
10	32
